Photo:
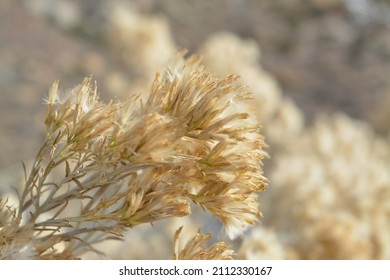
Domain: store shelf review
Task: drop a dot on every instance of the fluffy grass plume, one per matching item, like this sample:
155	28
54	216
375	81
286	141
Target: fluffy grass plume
123	164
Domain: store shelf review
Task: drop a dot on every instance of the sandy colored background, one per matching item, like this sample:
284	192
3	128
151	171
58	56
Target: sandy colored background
307	58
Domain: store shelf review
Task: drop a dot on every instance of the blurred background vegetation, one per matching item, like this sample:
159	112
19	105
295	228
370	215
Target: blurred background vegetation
327	56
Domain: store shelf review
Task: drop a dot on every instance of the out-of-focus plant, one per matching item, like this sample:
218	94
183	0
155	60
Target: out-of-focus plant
122	164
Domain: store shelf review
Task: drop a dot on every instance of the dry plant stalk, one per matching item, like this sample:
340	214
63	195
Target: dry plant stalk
195	249
135	162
